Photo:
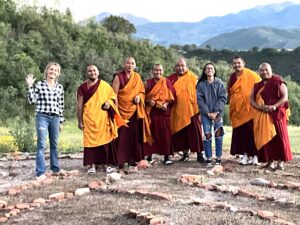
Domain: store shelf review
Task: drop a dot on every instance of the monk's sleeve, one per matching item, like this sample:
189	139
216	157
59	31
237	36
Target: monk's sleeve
203	108
222	98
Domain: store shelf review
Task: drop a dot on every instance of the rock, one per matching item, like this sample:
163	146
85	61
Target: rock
47	181
131	214
3	203
143	164
3	219
14	212
35	205
282	221
95	185
57	196
40	201
160	195
13	191
22	206
10	207
157	221
69	195
292	185
144	217
265	214
233	209
246	193
82	191
259	182
73	173
190	179
4	174
112	177
216	170
232	189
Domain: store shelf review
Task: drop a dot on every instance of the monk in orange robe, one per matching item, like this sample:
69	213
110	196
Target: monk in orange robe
160	95
269	98
185	120
130	92
239	88
96	112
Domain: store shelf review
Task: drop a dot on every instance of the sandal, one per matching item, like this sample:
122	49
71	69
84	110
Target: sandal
110	170
91	170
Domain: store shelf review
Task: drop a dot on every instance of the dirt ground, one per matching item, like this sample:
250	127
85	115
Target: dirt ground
108	208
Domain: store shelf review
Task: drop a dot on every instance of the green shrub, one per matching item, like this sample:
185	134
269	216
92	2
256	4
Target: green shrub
23	133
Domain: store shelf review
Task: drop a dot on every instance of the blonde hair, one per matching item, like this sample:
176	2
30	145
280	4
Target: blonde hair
47	67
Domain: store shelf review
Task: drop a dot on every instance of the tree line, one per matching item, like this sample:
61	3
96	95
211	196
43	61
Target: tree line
31	37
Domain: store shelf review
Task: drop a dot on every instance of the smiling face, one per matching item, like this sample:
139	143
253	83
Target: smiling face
157	71
92	72
181	67
52	71
265	71
209	70
129	64
238	64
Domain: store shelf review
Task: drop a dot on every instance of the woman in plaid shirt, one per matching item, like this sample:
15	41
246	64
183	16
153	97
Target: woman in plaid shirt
48	95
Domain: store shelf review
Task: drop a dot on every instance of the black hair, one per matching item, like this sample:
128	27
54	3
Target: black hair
204	75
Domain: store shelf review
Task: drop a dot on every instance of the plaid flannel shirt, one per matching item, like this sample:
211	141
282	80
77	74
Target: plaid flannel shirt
47	100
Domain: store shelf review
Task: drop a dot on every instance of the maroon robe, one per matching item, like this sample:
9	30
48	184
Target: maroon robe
130	140
160	126
100	155
190	137
242	140
279	147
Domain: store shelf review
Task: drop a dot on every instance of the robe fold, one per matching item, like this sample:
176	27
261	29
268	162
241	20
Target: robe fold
161	92
185	120
100	126
241	112
131	138
278	147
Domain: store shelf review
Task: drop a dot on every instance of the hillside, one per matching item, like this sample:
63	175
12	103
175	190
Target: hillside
261	37
279	15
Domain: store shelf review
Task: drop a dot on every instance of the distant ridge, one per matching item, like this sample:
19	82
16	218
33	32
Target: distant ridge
261	37
280	15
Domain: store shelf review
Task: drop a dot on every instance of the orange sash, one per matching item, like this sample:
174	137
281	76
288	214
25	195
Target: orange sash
127	108
99	129
186	105
263	126
160	93
240	111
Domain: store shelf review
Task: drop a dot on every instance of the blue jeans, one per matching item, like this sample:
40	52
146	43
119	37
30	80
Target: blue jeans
47	125
207	124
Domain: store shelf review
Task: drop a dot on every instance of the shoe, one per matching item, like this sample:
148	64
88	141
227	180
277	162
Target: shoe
244	160
218	162
255	161
269	166
209	163
91	170
110	170
168	162
185	158
280	166
200	157
61	172
41	177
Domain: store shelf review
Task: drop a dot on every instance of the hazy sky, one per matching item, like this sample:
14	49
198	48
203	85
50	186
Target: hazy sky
156	10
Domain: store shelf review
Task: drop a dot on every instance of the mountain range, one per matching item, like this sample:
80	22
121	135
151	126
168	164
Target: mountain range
274	25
